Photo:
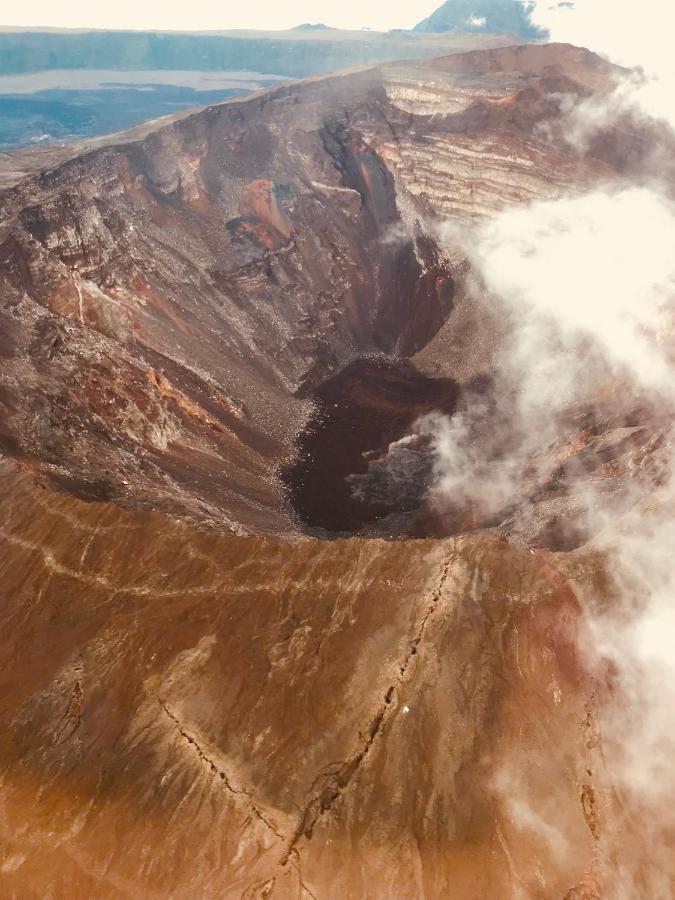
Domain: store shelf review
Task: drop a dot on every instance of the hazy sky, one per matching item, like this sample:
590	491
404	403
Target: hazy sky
209	14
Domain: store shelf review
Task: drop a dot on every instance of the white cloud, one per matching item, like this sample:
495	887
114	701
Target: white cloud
588	283
599	265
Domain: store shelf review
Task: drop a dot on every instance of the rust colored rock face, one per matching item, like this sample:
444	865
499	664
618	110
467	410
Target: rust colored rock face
239	655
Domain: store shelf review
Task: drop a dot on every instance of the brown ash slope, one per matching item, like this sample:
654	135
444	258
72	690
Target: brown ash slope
171	304
186	713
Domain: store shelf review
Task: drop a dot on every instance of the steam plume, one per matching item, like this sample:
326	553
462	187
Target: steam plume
587	283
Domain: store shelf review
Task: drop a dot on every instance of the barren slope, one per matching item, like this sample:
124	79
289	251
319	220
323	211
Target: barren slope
188	714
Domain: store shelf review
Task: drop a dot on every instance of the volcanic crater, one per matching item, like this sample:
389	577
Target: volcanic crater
223	316
217	335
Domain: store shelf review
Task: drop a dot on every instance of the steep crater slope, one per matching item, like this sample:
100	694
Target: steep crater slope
174	307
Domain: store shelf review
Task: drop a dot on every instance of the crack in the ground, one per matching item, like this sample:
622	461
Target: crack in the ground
219	773
326	796
335	782
305	888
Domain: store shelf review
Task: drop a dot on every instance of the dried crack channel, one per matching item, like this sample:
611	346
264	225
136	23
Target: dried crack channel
326	795
219	773
334	783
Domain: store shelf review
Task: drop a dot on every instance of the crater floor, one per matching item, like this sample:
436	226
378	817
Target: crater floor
358	414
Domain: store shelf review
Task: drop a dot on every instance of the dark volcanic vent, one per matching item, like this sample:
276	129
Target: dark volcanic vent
334	484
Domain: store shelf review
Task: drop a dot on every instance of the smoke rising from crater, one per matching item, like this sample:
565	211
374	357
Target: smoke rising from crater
587	285
599	267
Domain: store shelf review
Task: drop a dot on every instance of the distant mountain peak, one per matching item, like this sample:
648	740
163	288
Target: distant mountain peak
484	17
309	26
